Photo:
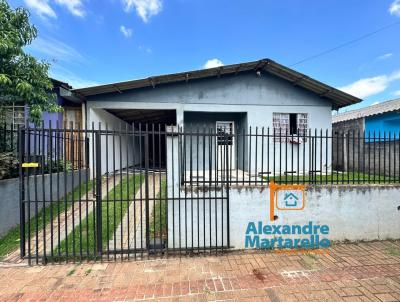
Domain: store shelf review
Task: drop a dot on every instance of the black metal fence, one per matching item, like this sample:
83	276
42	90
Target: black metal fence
116	203
260	155
8	138
144	190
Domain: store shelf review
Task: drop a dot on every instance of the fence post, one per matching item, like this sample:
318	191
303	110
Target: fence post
228	179
21	155
98	194
146	182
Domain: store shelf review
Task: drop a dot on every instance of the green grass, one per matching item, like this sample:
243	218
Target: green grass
336	178
10	241
112	214
158	221
393	251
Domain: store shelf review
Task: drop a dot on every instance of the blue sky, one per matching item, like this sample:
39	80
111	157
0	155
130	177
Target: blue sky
91	42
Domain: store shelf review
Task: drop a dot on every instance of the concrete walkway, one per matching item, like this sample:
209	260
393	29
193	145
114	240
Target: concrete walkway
136	217
350	272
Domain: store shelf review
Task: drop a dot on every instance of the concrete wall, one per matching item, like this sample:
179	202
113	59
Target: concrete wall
351	212
341	145
372	154
9	192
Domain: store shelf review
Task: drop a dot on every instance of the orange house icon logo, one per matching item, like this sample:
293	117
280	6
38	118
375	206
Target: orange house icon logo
285	198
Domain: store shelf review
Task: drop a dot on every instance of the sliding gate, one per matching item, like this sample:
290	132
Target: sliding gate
135	192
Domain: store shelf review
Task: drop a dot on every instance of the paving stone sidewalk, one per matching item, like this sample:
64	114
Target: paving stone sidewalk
350	272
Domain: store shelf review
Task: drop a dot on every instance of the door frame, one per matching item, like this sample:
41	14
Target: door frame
231	149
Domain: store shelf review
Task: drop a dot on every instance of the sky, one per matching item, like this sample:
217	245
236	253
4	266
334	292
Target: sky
91	42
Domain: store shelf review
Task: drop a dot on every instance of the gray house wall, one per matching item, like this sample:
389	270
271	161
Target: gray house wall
200	150
256	97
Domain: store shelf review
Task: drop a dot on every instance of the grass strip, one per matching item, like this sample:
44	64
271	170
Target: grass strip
112	215
333	178
158	221
10	241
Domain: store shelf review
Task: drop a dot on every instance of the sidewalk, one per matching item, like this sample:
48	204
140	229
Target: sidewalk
350	272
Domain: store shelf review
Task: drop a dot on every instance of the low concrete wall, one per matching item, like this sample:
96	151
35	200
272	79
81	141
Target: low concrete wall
199	218
351	213
9	194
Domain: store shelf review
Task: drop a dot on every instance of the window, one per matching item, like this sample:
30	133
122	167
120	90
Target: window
295	124
292	123
14	115
225	132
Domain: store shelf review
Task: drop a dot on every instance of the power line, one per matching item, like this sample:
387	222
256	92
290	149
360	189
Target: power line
345	44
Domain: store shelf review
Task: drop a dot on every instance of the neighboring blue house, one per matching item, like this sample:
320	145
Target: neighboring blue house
383	118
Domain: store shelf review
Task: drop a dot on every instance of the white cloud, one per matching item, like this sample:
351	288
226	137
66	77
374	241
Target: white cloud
385	56
396	93
127	32
213	63
394	8
41	7
370	86
376	103
145	49
144	8
55	50
63	74
75	7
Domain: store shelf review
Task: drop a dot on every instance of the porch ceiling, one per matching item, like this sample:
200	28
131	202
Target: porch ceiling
167	117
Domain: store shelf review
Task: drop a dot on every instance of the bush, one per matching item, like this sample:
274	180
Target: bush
8	165
57	166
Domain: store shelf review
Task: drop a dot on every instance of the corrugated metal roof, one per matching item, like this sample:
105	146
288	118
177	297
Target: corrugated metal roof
339	98
388	106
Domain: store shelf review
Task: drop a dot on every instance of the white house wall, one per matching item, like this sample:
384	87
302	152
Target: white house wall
116	150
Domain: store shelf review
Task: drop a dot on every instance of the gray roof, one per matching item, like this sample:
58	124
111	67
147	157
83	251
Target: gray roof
337	97
376	109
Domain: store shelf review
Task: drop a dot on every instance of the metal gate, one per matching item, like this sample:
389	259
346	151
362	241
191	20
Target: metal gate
133	192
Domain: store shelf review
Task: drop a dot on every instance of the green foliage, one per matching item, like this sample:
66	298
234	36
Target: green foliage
57	166
158	221
8	165
22	77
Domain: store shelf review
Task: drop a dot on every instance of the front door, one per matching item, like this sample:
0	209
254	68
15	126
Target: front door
225	145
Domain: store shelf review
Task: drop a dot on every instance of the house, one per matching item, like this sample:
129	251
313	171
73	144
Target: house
366	140
232	99
379	118
71	116
17	114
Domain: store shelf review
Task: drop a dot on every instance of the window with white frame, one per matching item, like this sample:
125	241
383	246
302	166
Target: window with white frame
14	115
289	124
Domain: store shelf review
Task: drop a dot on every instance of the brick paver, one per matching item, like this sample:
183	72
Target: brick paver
350	272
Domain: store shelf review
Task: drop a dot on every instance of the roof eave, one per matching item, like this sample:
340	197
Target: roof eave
338	98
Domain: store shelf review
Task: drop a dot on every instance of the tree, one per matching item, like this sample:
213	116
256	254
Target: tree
22	77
